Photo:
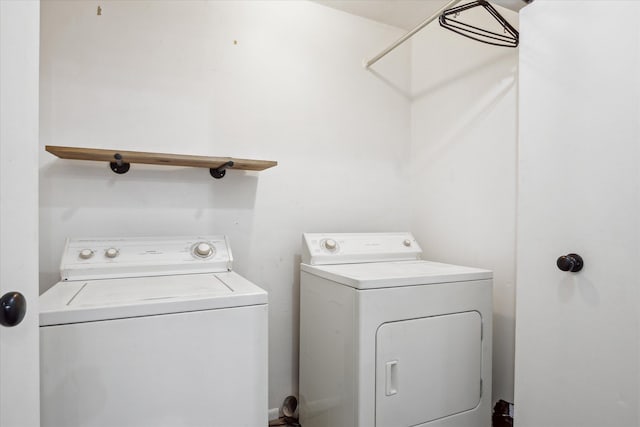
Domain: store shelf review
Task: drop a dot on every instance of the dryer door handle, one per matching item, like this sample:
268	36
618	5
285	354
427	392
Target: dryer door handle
391	378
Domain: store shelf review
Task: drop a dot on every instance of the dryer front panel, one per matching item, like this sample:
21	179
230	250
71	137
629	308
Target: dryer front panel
428	368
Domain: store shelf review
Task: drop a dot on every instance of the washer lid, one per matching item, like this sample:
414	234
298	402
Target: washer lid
94	300
397	273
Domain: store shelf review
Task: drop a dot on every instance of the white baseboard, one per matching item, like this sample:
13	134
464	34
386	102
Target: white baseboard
274	413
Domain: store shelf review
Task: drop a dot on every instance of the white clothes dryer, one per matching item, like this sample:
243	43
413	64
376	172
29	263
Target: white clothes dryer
153	332
389	340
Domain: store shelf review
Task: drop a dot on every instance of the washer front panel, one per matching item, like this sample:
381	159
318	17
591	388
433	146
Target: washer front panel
182	369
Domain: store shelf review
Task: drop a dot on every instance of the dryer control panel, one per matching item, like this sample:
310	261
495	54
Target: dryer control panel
110	258
347	248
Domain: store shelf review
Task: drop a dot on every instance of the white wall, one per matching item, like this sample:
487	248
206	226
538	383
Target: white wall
463	163
577	346
167	76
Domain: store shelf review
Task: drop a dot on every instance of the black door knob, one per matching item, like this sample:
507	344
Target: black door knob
571	262
13	307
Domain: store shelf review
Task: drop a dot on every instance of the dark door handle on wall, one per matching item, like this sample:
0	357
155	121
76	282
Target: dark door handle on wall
13	307
571	262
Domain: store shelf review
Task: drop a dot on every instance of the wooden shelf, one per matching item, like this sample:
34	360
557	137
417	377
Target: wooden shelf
120	159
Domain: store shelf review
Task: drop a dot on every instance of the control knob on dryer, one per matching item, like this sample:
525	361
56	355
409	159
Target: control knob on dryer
330	244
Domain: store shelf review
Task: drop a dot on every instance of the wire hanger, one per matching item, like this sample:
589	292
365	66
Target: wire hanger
509	38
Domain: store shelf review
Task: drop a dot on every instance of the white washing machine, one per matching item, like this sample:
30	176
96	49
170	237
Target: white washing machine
153	332
389	340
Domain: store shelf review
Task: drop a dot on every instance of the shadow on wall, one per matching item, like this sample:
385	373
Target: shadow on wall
503	348
491	65
476	107
469	120
406	94
295	316
572	287
92	185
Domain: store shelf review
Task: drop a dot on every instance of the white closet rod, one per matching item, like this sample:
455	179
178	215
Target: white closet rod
410	34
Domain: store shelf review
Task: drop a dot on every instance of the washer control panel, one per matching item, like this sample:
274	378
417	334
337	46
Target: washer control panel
345	248
139	257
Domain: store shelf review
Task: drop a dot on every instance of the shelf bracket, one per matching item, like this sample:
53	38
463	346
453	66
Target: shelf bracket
119	166
220	171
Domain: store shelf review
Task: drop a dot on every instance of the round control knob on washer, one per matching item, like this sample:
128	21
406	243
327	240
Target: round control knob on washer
330	244
203	249
111	253
86	253
407	242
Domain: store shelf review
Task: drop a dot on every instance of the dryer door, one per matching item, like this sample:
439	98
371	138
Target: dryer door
428	368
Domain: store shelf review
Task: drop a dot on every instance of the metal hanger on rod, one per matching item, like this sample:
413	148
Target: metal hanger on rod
508	38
